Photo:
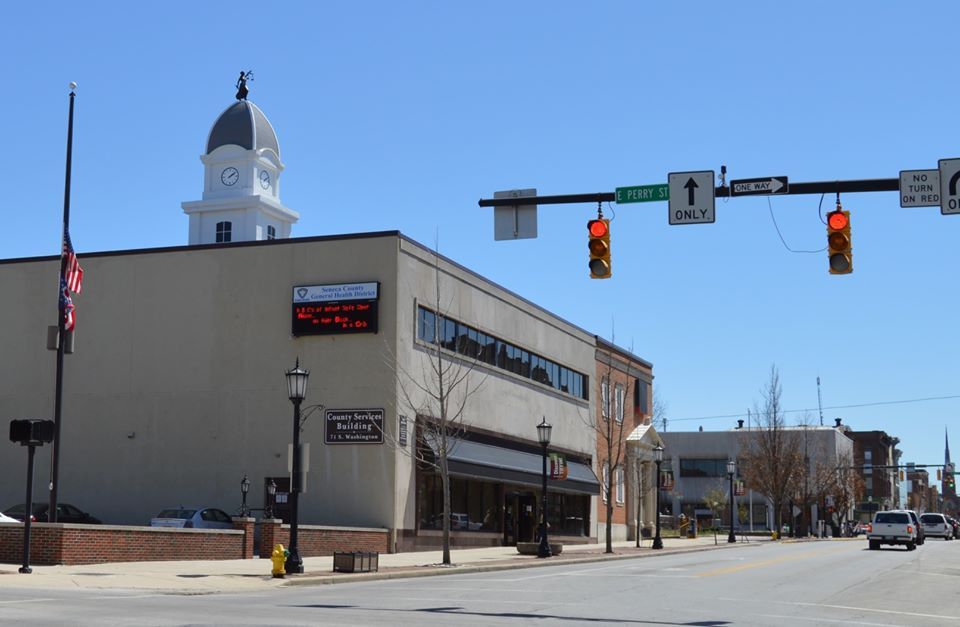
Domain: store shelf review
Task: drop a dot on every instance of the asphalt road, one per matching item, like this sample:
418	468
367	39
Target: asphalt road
809	583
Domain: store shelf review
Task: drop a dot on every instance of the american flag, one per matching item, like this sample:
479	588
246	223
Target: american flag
66	304
72	272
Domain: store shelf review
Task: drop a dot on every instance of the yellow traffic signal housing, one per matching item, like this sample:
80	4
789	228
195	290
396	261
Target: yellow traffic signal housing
939	475
839	246
599	245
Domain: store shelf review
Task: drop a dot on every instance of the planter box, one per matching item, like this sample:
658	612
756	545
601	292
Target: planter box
532	548
355	562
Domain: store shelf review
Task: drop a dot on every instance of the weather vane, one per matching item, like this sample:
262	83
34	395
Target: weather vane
242	90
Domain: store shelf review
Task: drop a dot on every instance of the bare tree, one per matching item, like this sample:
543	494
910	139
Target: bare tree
770	456
611	429
437	393
716	499
660	407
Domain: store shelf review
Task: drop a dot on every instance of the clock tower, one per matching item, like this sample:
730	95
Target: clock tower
241	182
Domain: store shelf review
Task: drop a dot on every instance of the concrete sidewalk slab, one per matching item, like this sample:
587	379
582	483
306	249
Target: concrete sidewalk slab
224	576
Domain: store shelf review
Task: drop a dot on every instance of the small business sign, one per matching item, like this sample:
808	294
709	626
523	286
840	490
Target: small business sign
353	426
739	487
335	309
402	431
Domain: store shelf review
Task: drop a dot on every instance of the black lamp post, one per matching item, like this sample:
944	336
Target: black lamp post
297	391
271	494
731	469
658	458
244	488
543	434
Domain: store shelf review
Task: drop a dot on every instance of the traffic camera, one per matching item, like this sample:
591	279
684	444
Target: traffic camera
599	245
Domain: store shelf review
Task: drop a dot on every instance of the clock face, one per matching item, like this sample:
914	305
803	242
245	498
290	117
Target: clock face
229	176
264	179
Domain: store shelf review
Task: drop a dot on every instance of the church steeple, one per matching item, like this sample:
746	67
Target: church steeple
241	190
946	448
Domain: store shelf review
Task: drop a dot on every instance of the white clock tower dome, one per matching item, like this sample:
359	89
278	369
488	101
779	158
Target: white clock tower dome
241	183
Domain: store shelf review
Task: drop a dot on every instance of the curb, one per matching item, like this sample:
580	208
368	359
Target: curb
329	579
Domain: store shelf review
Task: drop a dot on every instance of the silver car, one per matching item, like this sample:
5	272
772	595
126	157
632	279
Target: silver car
192	518
936	525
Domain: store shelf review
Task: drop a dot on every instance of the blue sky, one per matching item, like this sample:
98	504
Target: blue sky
402	115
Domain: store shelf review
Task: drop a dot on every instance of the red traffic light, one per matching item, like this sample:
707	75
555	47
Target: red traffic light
838	220
598	228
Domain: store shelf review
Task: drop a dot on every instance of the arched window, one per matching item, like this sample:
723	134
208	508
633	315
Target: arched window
224	231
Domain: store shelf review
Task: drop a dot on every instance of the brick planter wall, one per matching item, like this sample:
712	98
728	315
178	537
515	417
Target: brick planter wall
58	543
314	540
66	544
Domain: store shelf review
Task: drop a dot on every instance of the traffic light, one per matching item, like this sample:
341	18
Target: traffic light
939	474
599	244
838	241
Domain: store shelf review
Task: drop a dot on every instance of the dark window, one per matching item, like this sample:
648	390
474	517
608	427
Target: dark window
224	231
271	232
427	326
892	518
703	467
641	397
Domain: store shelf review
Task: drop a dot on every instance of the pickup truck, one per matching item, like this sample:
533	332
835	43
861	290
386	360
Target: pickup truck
892	528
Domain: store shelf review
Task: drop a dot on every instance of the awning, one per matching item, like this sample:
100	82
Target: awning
473	460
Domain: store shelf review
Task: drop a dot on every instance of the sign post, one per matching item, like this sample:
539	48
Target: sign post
920	188
949	177
692	197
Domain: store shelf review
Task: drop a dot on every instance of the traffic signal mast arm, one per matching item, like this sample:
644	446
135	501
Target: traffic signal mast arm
824	187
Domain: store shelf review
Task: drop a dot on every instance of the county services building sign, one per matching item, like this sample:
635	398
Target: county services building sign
353	426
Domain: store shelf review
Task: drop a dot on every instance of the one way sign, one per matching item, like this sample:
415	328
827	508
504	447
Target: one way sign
692	198
757	187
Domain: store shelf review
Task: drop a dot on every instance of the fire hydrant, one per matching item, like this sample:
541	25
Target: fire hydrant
279	559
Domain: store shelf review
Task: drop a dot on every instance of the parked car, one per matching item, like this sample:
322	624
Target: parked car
936	525
6	519
66	513
860	527
892	527
192	518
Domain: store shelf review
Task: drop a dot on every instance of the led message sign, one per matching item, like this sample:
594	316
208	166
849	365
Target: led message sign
335	309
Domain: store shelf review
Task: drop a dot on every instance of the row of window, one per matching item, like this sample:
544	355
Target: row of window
225	232
620	485
464	339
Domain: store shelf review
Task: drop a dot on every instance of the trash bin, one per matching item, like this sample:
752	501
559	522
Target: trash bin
356	562
692	532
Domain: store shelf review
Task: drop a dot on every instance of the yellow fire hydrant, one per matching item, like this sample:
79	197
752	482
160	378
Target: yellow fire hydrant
279	559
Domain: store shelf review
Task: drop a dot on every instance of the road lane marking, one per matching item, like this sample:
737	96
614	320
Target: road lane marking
823	621
842	607
26	601
749	565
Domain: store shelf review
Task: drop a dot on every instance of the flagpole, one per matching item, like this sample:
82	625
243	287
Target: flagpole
61	339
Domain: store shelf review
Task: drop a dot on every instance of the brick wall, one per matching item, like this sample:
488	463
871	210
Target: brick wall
315	540
58	543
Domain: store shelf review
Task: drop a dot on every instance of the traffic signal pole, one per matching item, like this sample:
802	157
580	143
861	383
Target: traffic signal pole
821	187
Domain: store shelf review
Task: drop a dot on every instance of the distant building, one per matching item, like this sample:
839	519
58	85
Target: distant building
918	494
875	454
698	461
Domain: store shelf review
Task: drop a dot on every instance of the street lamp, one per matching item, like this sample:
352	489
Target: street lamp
244	488
297	391
543	434
658	458
731	469
271	494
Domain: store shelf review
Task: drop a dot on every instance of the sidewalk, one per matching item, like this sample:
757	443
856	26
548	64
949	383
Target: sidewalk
220	576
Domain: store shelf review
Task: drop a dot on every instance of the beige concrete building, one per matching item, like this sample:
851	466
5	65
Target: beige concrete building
176	389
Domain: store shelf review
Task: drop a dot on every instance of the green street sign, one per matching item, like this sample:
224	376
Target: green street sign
643	193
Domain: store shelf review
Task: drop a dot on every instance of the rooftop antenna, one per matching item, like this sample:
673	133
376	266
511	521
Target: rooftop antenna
819	401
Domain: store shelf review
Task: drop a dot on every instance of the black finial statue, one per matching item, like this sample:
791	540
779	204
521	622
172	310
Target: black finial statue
242	90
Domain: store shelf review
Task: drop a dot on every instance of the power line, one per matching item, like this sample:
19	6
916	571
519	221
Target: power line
874	404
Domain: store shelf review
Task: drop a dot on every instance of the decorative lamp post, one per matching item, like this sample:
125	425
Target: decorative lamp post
658	458
297	391
271	494
244	488
543	435
731	470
